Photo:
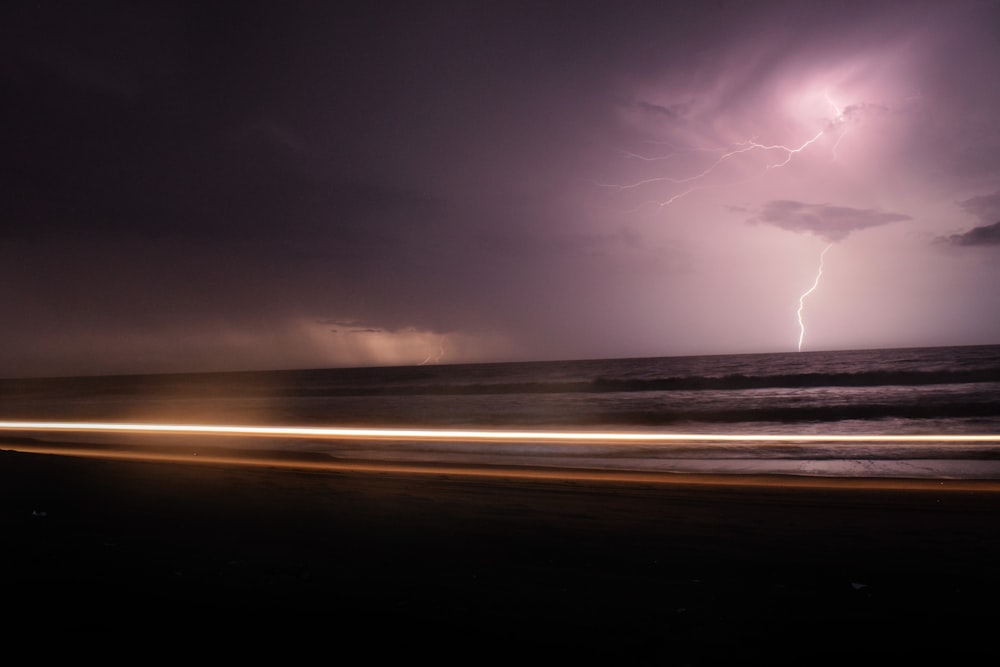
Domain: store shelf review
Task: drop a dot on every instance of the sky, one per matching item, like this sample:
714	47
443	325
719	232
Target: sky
193	186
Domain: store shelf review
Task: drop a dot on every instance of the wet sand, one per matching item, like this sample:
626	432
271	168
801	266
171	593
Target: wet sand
668	569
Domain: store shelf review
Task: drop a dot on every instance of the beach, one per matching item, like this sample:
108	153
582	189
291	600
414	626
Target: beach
668	569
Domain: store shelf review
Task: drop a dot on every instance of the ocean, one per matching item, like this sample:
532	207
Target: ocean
909	412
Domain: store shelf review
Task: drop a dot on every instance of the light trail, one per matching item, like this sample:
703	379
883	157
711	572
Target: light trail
819	273
415	434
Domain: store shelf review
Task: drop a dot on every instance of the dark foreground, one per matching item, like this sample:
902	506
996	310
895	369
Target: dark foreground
463	570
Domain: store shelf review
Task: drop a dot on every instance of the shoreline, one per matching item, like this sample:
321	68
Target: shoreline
697	571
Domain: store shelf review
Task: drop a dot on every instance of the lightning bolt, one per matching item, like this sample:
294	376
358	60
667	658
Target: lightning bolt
819	272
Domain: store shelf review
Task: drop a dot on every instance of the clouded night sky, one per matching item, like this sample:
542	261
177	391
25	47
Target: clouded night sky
228	186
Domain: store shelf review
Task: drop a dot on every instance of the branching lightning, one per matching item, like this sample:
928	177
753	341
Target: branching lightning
739	149
837	123
819	273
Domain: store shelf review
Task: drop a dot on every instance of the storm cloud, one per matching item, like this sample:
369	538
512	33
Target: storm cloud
196	186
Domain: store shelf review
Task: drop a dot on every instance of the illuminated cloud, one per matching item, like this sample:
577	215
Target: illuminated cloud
828	222
349	343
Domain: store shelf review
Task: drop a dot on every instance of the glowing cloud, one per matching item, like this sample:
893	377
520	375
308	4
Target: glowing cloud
730	133
348	343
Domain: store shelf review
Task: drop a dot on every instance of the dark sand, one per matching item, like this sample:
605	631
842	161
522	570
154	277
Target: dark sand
468	569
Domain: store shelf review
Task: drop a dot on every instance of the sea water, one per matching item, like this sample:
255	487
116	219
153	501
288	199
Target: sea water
806	400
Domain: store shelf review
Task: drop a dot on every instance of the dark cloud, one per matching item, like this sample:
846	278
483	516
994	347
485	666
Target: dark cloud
830	223
987	235
985	208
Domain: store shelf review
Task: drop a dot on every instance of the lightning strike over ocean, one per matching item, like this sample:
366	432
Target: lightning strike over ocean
819	273
773	174
478	320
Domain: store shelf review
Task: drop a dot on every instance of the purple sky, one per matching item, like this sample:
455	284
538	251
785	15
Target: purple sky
206	186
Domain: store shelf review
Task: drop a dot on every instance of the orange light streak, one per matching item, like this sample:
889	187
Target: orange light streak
562	474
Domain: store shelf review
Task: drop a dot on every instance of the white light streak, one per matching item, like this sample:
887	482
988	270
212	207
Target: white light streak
400	434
